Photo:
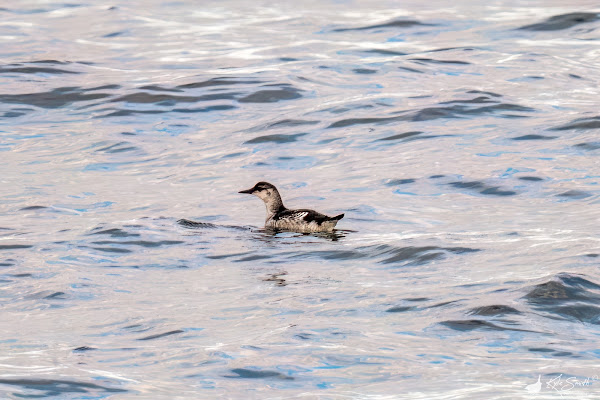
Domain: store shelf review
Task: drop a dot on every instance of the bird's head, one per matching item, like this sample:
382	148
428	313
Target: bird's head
263	190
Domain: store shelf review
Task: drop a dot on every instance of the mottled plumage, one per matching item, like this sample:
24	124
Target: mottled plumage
279	217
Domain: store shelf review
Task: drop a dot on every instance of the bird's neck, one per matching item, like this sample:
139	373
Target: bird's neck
274	205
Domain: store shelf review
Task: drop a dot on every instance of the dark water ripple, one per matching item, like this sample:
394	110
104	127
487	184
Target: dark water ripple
534	137
476	324
387	254
567	296
574	194
161	335
432	61
588	146
195	225
84	348
563	21
219	81
275	139
399	23
258	91
170	100
143	243
409	136
580	124
58	387
383	52
32	208
412	307
20	69
459	109
14	246
493	310
284	123
482	188
405	181
55	98
245	373
273	95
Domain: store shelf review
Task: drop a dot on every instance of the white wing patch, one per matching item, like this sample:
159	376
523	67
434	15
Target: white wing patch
298	216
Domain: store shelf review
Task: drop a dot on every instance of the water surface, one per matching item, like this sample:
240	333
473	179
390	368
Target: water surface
459	139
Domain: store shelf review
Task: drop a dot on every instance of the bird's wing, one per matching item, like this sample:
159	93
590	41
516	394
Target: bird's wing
305	215
297	215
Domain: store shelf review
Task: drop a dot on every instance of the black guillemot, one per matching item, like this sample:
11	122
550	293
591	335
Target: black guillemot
279	217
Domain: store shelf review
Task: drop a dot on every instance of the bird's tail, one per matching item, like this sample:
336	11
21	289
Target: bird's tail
337	217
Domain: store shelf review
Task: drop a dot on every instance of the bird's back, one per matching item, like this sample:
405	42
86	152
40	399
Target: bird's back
303	220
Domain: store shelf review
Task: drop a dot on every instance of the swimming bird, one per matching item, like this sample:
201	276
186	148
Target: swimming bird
279	217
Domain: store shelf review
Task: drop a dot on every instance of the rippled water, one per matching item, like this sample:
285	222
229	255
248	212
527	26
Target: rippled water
459	138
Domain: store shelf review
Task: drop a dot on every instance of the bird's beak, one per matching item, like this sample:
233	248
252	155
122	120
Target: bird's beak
249	191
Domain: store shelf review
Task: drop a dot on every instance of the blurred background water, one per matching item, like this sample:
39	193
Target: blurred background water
459	138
